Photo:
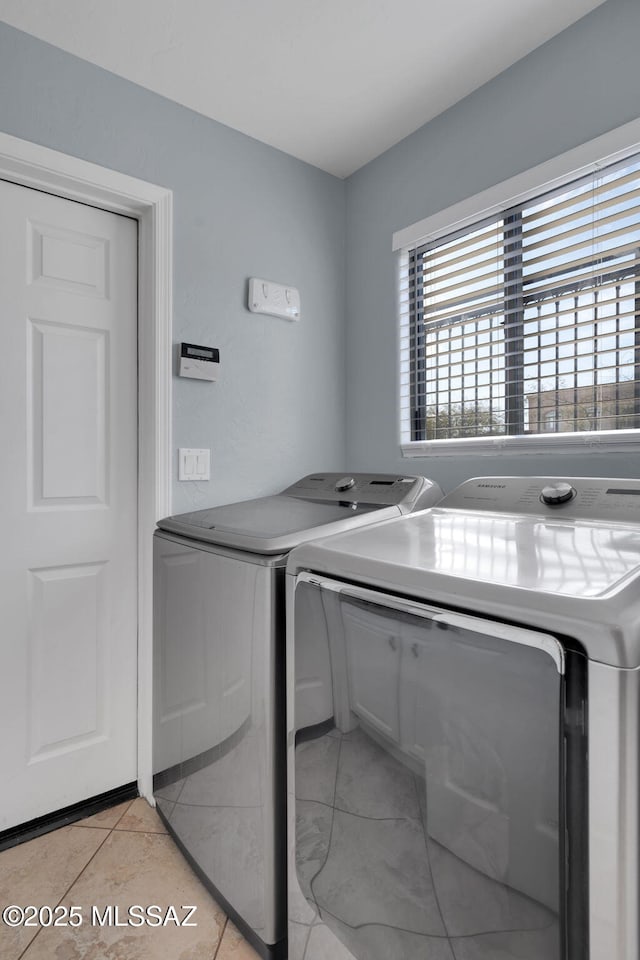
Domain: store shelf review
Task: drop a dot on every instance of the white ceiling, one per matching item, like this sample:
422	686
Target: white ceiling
333	82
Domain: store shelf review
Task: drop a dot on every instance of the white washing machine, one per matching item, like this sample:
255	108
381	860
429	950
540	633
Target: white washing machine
219	705
476	794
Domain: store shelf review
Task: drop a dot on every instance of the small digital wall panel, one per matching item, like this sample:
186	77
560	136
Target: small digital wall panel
68	414
67	675
71	261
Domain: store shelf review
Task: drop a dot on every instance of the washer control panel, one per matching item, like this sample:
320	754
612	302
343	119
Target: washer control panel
576	498
381	489
556	493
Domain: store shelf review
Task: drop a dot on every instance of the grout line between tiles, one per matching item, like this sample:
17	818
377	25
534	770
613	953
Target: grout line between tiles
222	932
97	826
89	826
74	881
123	813
155	833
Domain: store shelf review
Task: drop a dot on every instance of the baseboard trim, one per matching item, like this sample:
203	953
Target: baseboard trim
70	814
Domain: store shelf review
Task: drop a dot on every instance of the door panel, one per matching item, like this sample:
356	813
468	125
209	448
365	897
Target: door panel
68	567
67	441
68	607
68	260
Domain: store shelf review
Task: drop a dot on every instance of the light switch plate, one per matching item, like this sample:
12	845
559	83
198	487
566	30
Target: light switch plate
194	464
275	299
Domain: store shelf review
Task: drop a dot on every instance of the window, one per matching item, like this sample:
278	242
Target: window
551	421
525	322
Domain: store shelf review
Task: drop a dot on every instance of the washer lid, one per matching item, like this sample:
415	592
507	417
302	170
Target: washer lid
575	559
578	579
269	524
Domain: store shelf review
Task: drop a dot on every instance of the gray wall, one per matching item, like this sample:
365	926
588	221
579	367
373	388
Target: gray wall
577	86
241	209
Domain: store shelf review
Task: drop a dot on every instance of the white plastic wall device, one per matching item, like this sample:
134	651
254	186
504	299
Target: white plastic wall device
276	299
194	464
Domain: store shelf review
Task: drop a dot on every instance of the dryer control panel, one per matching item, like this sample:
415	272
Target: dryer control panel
576	498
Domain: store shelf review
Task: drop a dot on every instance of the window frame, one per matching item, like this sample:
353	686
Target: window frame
611	148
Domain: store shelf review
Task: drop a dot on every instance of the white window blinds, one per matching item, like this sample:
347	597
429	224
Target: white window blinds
526	323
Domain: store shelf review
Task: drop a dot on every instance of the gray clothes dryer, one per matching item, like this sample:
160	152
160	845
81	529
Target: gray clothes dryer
219	702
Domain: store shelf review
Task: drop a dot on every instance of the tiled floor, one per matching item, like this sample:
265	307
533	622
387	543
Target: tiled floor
120	857
377	880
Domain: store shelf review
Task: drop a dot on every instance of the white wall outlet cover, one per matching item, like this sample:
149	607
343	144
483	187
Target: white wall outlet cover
276	299
194	464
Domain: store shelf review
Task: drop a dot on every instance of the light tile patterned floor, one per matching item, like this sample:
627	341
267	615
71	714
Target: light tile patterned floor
121	857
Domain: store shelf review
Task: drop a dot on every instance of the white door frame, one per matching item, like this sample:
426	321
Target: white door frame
32	165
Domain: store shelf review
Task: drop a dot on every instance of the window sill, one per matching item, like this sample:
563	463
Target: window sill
613	441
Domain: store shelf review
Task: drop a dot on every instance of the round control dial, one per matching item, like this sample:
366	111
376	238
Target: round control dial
556	493
345	483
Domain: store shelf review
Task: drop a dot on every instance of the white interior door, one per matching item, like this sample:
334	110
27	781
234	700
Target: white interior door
68	493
